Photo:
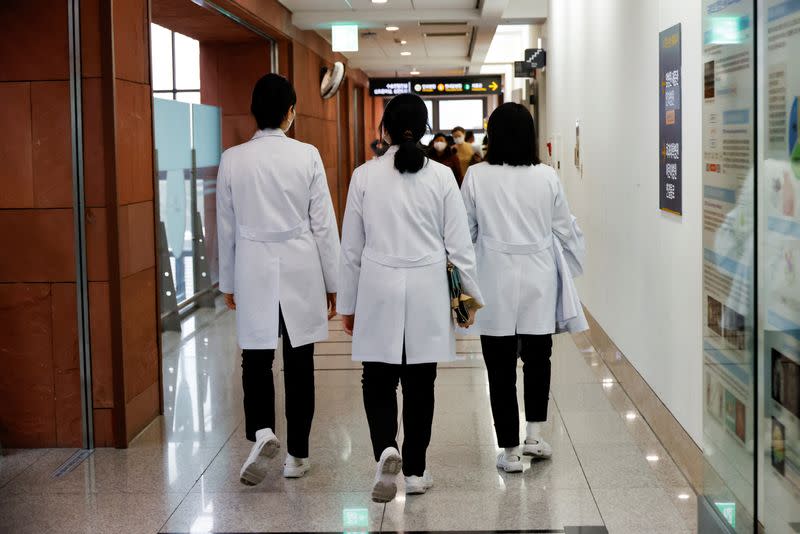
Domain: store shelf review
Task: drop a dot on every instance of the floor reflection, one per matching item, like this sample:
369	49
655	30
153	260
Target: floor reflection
181	474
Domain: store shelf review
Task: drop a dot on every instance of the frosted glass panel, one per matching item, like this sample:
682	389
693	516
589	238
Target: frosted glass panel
206	133
172	134
161	57
465	113
187	62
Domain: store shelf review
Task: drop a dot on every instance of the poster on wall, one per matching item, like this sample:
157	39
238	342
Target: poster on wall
779	258
669	128
728	246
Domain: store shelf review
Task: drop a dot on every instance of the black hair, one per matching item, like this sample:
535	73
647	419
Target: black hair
406	120
512	136
273	95
469	134
439	134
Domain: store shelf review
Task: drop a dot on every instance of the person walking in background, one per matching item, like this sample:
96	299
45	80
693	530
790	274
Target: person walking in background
404	221
440	152
464	151
469	138
278	257
516	205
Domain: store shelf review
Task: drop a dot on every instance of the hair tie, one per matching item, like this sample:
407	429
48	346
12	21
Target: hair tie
408	135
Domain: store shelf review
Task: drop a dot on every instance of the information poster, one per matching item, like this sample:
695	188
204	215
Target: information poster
670	124
779	258
729	251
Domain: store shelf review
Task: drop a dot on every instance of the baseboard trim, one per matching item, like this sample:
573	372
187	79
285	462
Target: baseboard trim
686	454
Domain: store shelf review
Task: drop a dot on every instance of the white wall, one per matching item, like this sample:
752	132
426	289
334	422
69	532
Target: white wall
643	280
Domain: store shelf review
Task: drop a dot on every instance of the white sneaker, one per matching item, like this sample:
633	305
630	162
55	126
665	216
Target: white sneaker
295	467
255	467
389	466
510	463
418	485
538	448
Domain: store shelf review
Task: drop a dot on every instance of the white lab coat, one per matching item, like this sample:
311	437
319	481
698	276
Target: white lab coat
399	231
514	213
278	239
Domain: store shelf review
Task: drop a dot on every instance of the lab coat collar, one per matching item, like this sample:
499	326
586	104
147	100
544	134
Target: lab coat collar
269	132
392	150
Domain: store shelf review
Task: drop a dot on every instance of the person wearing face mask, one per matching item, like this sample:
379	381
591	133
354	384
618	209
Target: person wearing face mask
440	152
278	262
464	151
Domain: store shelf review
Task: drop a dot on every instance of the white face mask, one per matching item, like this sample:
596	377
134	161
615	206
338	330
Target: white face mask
440	146
289	125
458	140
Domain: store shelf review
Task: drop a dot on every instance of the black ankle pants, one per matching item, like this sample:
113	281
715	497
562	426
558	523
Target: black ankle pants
500	355
259	392
379	382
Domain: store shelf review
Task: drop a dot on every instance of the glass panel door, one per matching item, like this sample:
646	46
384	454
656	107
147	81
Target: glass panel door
729	341
779	268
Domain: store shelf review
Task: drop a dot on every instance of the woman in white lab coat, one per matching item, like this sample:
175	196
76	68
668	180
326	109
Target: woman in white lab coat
404	220
278	256
516	205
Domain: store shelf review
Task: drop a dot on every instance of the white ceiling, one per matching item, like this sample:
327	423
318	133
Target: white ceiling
445	37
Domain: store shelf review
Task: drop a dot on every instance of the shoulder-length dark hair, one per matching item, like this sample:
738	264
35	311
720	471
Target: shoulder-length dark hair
512	136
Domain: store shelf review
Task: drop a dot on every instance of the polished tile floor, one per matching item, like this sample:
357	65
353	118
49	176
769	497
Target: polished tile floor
181	474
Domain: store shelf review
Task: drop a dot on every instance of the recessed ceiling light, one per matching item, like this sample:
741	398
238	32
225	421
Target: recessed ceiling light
414	72
684	496
630	416
403	42
392	28
652	458
405	53
379	1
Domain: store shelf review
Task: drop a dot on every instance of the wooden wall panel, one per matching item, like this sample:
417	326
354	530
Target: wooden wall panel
27	390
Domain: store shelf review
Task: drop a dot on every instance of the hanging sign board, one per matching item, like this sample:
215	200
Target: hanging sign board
449	86
523	70
670	131
536	58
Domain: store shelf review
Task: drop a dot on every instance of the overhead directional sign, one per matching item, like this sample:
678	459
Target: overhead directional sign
466	85
536	58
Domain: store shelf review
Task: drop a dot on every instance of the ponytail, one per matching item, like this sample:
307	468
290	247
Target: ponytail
410	157
406	120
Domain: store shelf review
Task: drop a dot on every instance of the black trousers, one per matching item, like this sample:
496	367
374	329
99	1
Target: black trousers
500	355
379	382
259	392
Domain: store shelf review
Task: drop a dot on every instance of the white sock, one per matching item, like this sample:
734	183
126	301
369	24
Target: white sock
534	431
512	451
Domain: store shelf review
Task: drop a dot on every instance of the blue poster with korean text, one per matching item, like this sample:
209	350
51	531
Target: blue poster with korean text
670	133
